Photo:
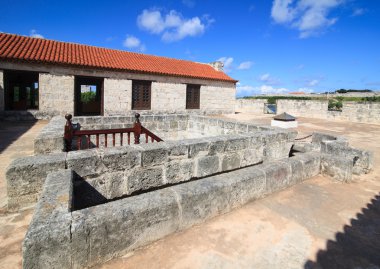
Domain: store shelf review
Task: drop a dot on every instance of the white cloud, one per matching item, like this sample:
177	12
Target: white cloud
269	89
268	79
247	90
245	65
33	33
132	42
358	12
305	90
309	17
172	26
227	63
313	83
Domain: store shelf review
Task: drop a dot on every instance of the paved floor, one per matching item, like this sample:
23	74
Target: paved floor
316	224
16	140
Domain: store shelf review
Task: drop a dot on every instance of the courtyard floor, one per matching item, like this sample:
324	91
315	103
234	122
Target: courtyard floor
317	224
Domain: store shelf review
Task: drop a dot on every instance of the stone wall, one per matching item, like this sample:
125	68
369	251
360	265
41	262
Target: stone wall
117	96
351	111
168	93
61	238
2	90
252	106
361	112
303	108
168	97
217	99
56	94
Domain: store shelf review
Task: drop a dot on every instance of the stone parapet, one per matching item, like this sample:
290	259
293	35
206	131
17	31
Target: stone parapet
60	237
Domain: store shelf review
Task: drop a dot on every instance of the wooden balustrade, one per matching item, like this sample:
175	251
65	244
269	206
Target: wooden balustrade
137	130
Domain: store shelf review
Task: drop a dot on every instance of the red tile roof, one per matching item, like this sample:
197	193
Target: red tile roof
15	48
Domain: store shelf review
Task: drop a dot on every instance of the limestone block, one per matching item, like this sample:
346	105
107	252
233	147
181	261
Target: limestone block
207	165
197	147
237	142
177	150
311	164
231	161
113	229
85	162
27	175
47	242
337	167
143	179
153	154
178	171
217	145
252	156
121	158
277	176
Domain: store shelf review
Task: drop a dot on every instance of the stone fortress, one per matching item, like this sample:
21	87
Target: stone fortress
94	204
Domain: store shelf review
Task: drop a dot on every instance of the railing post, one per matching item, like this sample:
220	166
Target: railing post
137	128
68	134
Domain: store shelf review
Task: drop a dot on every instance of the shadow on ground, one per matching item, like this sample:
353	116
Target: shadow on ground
11	131
358	246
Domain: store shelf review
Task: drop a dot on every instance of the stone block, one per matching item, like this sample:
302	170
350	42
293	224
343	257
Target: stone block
141	179
177	150
26	175
277	175
178	171
311	164
153	154
197	147
236	142
114	229
86	163
121	158
337	167
252	156
47	242
231	161
216	145
207	165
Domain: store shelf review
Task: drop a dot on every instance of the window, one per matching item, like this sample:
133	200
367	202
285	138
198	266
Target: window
141	94
192	96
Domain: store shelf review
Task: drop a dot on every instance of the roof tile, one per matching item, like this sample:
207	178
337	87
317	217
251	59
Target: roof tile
36	50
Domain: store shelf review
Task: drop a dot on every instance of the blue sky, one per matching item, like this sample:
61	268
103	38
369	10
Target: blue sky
269	46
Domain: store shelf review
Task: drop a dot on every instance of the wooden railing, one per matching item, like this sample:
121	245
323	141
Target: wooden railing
137	130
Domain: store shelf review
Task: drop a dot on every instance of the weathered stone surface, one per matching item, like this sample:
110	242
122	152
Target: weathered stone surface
85	162
236	142
339	168
252	156
25	176
231	161
207	165
362	159
198	147
143	179
153	154
121	158
47	242
178	171
113	229
277	175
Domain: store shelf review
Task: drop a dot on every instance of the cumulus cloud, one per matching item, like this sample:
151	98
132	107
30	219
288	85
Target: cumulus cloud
172	26
33	33
245	65
133	43
268	79
309	17
227	63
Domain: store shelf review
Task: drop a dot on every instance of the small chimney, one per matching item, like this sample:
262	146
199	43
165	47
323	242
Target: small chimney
218	65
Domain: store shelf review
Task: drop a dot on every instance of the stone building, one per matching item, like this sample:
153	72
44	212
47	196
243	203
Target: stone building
46	78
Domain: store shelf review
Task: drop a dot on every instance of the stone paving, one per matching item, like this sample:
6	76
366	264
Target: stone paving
290	229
